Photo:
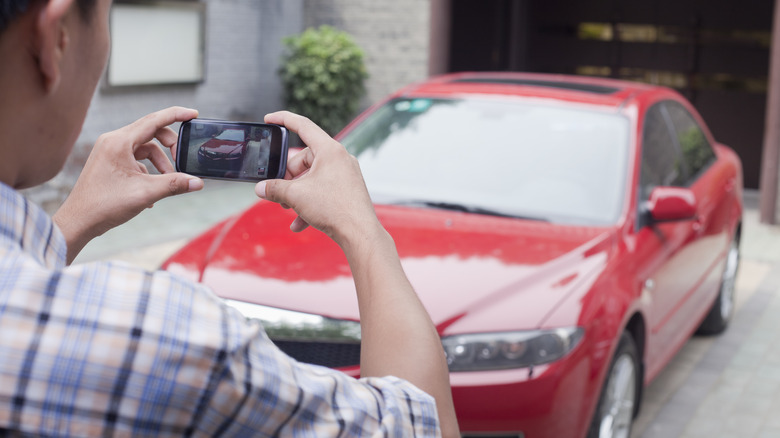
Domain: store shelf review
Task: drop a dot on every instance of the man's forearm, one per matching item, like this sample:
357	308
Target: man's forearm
75	237
398	336
327	191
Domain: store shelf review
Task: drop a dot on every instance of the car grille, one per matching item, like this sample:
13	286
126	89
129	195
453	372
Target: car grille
329	354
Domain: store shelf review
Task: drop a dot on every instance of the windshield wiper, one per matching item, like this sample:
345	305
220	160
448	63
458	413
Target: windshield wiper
468	209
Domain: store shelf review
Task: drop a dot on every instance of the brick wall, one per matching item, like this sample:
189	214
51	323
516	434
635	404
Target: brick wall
393	34
243	48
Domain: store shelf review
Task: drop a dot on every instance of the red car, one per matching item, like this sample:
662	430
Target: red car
225	150
566	234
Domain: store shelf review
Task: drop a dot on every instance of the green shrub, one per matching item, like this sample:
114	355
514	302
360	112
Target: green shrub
323	76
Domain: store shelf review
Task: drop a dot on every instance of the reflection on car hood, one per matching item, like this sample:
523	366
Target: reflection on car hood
457	262
223	146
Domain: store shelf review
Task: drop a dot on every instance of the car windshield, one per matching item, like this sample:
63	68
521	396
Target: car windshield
231	135
521	158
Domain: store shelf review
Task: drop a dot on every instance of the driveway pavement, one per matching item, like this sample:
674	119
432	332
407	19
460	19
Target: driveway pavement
727	385
149	238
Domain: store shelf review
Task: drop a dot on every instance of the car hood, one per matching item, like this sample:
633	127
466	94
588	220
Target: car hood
465	267
223	146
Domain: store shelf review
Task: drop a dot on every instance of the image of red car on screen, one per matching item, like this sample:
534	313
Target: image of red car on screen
224	151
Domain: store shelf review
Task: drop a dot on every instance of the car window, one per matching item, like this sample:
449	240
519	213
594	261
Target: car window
662	162
519	157
231	135
696	150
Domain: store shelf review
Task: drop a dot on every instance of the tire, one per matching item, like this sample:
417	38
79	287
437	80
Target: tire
618	403
722	309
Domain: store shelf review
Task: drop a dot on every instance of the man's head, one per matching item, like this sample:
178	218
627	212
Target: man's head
10	9
53	52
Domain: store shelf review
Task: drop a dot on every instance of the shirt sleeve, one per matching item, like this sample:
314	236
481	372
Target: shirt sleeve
257	388
106	349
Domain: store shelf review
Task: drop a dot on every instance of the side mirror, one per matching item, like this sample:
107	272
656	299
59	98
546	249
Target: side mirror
668	204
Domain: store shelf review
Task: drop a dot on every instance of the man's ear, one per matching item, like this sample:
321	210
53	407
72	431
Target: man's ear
53	39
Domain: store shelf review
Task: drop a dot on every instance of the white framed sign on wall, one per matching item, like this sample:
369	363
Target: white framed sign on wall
156	42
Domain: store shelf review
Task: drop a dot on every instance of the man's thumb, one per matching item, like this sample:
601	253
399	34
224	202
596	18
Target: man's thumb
272	189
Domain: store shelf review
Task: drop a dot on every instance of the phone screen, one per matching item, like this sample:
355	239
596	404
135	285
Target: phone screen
232	150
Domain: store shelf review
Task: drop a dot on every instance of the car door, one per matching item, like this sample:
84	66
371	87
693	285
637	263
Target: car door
710	180
672	263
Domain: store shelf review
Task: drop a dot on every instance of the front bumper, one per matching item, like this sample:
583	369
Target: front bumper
549	401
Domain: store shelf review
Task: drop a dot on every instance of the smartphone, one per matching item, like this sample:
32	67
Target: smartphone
240	151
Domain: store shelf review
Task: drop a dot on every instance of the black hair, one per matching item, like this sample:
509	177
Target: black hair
11	9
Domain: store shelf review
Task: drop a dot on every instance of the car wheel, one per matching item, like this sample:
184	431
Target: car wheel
615	411
723	308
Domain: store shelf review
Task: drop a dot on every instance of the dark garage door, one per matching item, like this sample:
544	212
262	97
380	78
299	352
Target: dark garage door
714	52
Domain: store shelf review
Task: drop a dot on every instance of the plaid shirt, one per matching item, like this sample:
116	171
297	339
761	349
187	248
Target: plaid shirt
107	349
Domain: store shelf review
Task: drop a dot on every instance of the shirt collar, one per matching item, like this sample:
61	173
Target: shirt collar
25	225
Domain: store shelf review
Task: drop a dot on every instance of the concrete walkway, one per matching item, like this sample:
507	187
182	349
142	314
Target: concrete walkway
727	385
149	238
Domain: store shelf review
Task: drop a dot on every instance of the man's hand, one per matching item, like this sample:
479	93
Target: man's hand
115	186
335	200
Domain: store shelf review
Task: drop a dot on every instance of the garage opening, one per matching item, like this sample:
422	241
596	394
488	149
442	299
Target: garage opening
714	53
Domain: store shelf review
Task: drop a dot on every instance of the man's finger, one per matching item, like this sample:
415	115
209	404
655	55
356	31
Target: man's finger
145	128
169	184
311	134
153	152
300	163
167	136
298	225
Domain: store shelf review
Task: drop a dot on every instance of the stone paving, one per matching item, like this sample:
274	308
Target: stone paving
727	385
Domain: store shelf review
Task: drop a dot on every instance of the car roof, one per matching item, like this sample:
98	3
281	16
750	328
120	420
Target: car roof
575	89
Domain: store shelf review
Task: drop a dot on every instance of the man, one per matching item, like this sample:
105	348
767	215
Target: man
108	349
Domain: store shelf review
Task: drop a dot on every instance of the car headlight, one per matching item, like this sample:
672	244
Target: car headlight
497	351
282	324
